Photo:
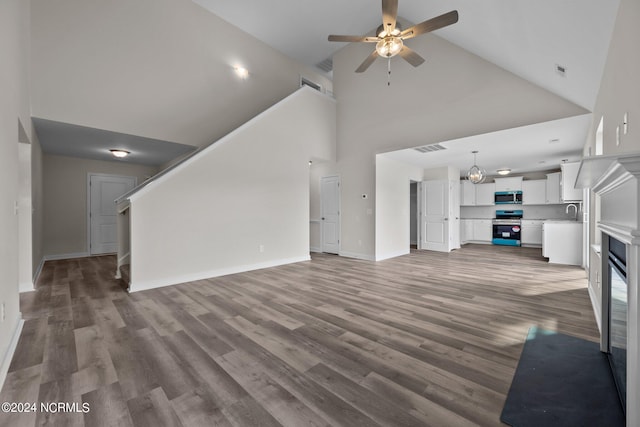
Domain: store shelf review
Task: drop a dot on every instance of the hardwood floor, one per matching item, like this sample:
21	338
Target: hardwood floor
427	339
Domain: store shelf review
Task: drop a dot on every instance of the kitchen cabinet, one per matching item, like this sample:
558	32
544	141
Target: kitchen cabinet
485	194
562	242
569	175
553	188
482	230
534	192
466	230
531	232
513	183
467	193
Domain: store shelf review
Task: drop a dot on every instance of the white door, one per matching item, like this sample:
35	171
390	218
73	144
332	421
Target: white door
434	216
330	209
103	191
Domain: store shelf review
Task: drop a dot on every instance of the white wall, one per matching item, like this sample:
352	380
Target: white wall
14	107
37	206
620	93
393	206
25	226
212	214
452	95
155	68
65	200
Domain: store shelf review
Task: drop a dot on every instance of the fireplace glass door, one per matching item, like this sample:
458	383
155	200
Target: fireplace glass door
618	316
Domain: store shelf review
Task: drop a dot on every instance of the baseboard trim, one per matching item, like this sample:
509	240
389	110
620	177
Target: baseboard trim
357	255
36	275
160	283
13	344
66	256
596	309
315	249
393	254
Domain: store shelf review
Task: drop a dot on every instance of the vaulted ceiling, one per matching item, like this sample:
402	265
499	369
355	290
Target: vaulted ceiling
528	38
159	70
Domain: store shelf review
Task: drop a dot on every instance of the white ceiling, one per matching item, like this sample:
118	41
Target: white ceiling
525	37
532	150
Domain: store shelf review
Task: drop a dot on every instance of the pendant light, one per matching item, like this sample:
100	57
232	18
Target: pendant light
476	175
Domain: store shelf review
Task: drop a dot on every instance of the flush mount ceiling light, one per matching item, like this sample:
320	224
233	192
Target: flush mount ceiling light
119	153
476	175
243	73
504	171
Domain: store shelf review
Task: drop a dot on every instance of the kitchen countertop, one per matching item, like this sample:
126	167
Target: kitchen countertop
562	221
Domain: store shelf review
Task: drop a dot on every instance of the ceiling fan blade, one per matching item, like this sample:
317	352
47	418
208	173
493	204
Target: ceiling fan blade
350	39
411	56
389	14
367	62
430	25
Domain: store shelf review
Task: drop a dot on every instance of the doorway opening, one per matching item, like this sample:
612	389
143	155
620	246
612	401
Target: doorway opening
413	215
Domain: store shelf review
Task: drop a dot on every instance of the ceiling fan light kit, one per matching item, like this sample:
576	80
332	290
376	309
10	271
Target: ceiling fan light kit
389	46
390	38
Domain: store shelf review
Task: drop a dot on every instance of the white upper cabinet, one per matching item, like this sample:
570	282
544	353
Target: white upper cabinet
569	175
512	183
534	192
553	188
485	194
467	193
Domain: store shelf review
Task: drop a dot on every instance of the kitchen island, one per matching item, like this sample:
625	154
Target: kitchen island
562	242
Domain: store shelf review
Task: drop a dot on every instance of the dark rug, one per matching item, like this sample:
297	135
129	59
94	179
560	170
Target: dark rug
562	381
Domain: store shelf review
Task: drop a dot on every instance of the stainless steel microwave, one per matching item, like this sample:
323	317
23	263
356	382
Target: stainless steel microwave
508	197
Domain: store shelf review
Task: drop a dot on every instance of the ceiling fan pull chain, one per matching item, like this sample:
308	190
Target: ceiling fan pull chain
389	72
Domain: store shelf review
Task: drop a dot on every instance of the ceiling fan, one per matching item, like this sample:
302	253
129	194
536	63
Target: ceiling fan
390	39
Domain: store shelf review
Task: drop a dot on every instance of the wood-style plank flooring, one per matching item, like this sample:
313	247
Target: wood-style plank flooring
427	339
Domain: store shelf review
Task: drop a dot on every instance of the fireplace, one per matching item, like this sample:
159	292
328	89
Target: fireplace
615	180
616	329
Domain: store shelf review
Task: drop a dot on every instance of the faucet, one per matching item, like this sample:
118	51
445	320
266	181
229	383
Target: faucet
575	213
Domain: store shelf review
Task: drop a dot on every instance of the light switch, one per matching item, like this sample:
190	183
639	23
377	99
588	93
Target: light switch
625	124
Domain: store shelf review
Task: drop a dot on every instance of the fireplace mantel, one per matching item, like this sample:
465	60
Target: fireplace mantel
603	173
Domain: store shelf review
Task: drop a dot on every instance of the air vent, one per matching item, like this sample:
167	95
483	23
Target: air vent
326	65
307	82
430	148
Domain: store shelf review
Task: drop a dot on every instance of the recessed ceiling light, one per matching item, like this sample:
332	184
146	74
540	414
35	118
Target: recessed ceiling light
243	73
119	153
504	171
